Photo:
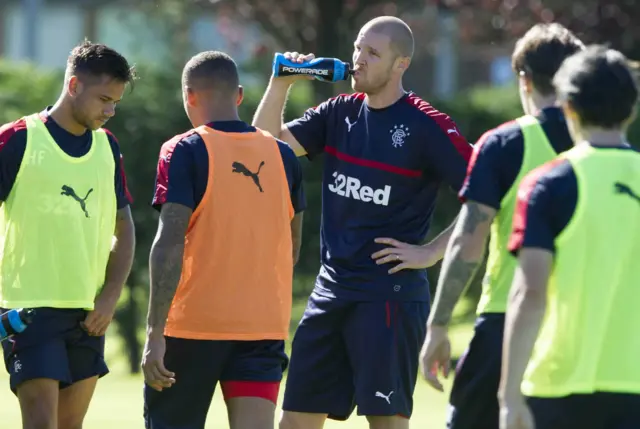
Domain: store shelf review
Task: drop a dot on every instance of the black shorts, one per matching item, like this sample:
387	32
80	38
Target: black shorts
348	354
600	410
243	368
474	397
54	346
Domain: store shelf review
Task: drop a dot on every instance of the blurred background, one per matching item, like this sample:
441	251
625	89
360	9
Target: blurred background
461	66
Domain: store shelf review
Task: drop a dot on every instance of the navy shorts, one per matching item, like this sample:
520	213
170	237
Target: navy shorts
600	410
54	346
243	368
350	353
473	403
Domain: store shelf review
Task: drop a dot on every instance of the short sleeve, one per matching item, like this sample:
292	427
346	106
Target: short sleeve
293	171
123	196
482	183
13	143
448	152
175	175
546	201
311	129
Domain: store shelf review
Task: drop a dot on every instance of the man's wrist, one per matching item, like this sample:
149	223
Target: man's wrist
111	292
436	247
440	325
280	84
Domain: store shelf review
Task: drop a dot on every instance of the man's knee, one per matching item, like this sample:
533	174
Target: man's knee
39	403
388	422
294	420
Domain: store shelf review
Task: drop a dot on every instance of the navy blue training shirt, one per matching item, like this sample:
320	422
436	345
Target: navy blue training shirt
497	157
182	177
13	142
382	172
549	205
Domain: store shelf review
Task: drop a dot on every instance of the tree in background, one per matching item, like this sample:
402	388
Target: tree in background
595	21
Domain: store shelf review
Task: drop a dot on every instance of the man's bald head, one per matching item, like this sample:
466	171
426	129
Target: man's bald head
211	70
399	33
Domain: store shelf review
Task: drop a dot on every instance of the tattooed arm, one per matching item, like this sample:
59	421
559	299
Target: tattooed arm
464	254
165	263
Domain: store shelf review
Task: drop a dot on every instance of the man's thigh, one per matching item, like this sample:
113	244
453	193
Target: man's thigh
320	377
383	344
251	380
254	369
198	365
473	403
41	351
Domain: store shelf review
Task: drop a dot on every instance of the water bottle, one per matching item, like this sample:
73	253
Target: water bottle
14	321
324	69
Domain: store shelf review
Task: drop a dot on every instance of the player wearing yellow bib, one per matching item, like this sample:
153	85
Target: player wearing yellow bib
64	198
571	345
501	158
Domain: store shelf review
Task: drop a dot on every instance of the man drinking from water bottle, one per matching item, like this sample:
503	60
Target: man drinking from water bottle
387	153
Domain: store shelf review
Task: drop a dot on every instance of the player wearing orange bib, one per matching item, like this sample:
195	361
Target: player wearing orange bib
230	199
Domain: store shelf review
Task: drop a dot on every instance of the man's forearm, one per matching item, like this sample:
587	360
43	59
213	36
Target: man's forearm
456	274
165	263
269	113
165	269
522	325
464	255
121	256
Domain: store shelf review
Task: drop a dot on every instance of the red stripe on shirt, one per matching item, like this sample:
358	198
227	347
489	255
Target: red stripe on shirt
474	156
162	171
445	122
371	164
525	190
122	172
9	130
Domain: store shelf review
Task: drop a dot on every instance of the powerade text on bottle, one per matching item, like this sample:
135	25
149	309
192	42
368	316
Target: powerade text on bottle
324	69
14	321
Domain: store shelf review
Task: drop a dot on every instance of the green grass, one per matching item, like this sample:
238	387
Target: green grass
118	399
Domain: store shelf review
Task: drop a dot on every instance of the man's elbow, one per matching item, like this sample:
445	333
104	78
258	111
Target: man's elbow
125	232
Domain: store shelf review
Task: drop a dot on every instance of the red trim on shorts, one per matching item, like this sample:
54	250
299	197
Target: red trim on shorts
268	390
403	416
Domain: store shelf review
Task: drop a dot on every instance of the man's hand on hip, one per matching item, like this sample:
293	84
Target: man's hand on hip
406	256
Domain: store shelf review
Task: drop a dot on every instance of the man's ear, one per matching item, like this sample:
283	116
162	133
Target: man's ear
74	86
403	63
192	99
240	95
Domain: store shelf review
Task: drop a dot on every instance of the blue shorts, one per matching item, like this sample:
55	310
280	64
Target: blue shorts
54	346
600	410
243	368
351	353
473	403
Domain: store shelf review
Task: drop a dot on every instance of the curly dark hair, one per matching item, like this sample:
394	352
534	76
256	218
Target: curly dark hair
540	53
96	60
600	85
